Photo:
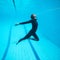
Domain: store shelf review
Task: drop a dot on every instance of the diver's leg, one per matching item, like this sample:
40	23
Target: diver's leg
26	37
36	37
20	40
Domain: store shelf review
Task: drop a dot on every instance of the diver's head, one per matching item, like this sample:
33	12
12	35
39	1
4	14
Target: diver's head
33	16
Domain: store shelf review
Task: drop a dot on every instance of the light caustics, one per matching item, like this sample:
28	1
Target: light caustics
35	53
49	10
7	48
8	44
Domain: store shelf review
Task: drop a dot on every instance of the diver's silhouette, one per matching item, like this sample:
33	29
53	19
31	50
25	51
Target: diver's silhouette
32	32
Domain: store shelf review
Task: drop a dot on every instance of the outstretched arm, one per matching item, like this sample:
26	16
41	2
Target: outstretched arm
23	23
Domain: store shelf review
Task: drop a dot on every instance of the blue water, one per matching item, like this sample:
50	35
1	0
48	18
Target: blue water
48	17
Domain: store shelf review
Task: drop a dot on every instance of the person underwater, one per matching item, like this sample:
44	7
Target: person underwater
32	32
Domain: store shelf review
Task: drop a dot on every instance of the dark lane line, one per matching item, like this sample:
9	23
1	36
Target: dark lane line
34	51
8	44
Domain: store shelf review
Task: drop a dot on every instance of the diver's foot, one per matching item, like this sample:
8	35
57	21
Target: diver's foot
17	42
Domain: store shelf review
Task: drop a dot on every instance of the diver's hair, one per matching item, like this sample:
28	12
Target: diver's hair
33	16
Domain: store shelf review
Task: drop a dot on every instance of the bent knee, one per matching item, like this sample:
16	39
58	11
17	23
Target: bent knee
37	39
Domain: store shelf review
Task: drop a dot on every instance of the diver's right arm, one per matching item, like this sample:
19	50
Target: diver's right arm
23	23
17	24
